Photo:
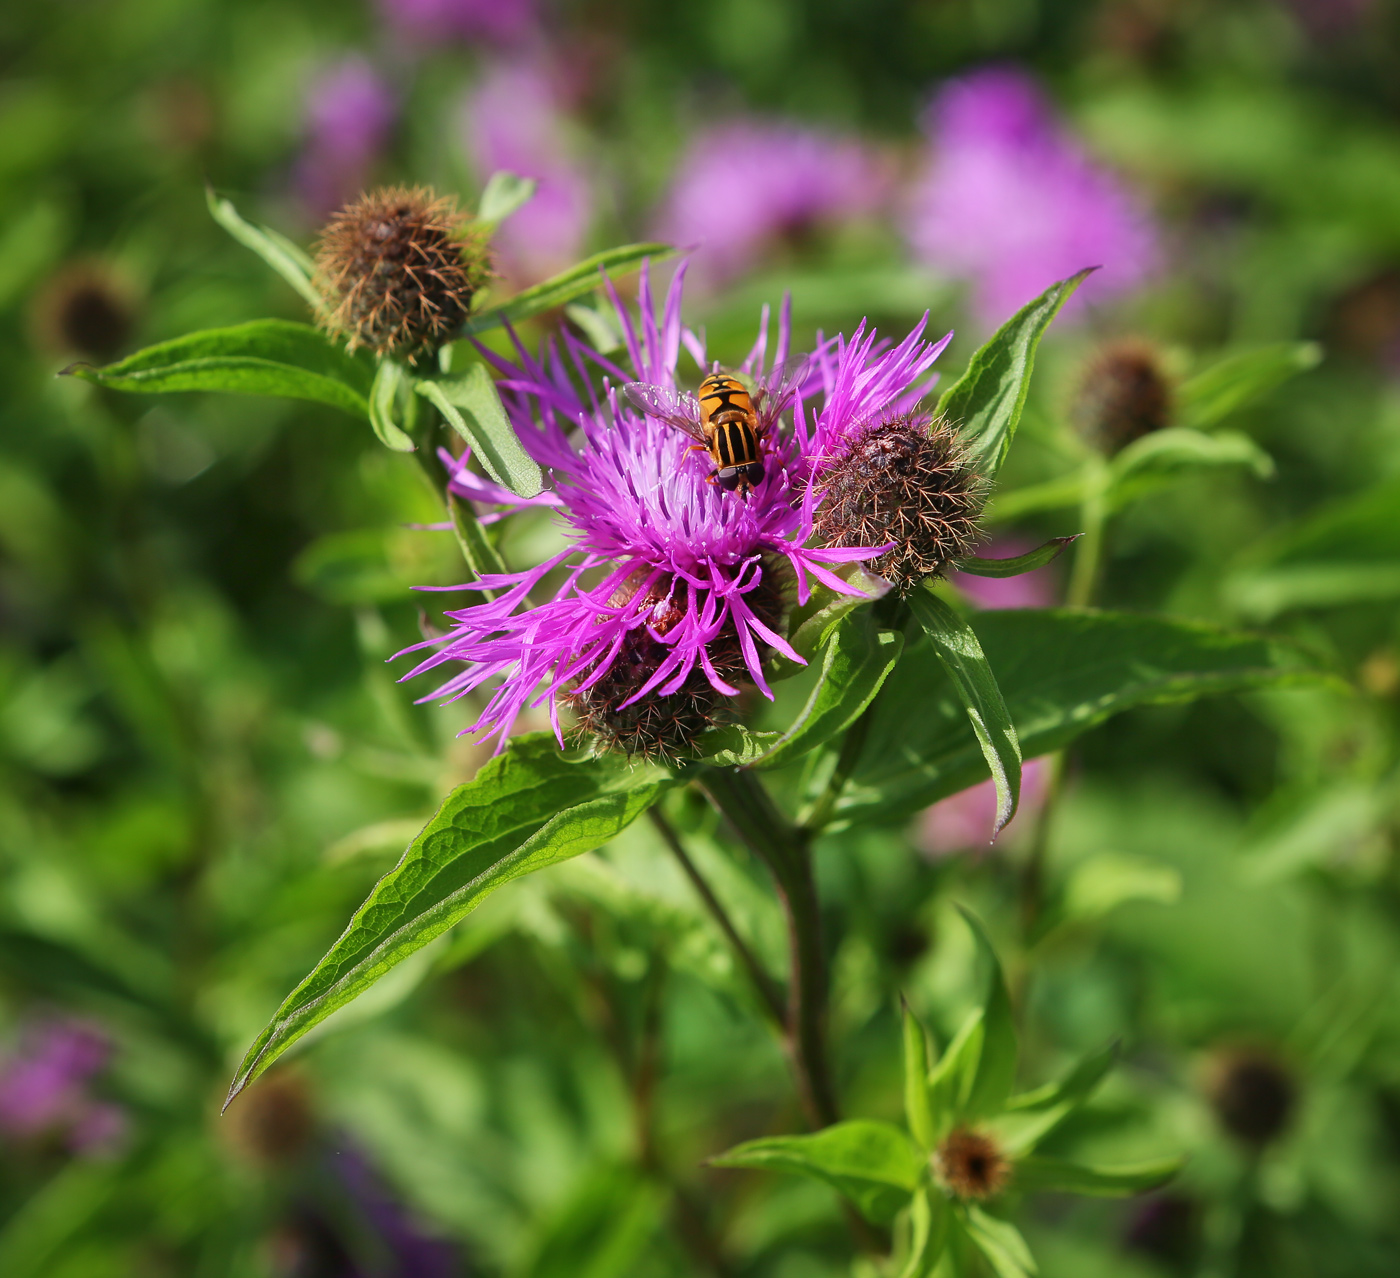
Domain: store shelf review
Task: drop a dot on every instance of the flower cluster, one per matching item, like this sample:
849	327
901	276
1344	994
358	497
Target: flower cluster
674	591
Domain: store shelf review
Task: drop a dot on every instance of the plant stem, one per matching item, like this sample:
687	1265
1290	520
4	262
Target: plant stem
1088	551
741	798
769	995
818	815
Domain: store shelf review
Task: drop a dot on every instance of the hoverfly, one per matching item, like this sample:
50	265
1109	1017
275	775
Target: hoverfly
725	418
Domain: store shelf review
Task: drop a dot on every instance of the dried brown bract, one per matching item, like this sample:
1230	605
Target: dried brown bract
399	268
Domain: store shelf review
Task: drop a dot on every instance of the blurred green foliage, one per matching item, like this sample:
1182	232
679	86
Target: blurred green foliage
207	763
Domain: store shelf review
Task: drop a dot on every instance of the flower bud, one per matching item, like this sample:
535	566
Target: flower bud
970	1164
399	268
905	480
86	309
1124	393
1252	1093
273	1122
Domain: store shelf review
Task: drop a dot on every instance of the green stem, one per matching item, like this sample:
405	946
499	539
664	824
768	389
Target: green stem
769	995
818	816
1088	550
769	835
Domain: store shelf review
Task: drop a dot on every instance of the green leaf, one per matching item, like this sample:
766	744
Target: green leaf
385	402
918	1107
1000	1242
929	1218
1224	388
262	357
1053	494
986	401
1061	671
1014	567
603	1229
856	660
1053	1174
473	408
1030	1117
811	623
505	192
286	258
527	809
1106	880
955	645
731	745
481	556
1165	452
873	1164
950	1081
564	287
996	1063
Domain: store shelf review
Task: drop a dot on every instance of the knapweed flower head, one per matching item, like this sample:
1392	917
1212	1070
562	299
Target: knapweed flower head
889	473
86	308
514	120
970	1164
350	112
745	184
1124	393
399	268
1013	203
673	589
1252	1092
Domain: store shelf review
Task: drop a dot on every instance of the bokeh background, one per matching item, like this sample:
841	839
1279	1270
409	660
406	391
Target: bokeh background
206	761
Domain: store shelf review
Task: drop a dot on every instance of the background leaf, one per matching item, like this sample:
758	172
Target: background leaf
986	401
528	808
261	357
1000	1242
873	1164
1233	382
287	259
1061	672
504	193
996	1063
955	645
1055	1175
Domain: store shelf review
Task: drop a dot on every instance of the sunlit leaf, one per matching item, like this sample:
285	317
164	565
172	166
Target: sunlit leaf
929	1219
955	645
918	1108
986	401
504	193
386	406
951	1080
1031	1116
472	407
287	259
996	1063
873	1164
527	809
1000	1242
262	357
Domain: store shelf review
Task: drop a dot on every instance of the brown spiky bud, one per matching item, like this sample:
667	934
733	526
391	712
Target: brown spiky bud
399	268
907	481
87	309
665	727
1124	393
1253	1094
970	1164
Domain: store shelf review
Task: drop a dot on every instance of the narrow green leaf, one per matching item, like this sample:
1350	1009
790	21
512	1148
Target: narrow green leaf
261	357
602	1229
504	193
1224	388
1062	671
384	407
873	1164
1000	1242
996	1064
1053	1174
856	660
929	1218
473	408
1164	452
564	287
1014	567
955	645
527	809
1032	1116
811	623
951	1080
1053	494
986	401
918	1107
286	258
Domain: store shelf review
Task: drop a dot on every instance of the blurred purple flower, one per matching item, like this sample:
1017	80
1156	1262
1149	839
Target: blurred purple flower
415	1254
1029	590
44	1085
1013	203
961	821
493	21
1330	18
513	121
742	185
349	113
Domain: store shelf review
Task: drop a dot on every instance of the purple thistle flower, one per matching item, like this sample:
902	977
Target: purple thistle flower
349	113
656	553
44	1085
513	121
1013	203
500	22
777	180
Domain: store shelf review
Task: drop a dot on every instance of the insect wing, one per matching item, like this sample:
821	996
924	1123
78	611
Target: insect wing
777	388
671	407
